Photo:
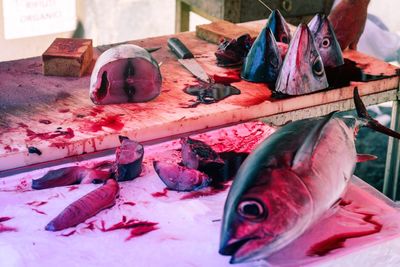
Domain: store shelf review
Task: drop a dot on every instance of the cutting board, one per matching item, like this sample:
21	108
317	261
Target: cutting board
56	116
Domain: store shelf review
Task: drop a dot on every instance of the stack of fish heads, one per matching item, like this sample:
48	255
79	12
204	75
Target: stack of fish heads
302	71
326	41
279	27
263	61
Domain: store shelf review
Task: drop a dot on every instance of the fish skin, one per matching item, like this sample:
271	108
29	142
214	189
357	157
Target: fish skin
302	70
180	178
279	27
326	41
263	61
86	207
129	158
69	176
296	175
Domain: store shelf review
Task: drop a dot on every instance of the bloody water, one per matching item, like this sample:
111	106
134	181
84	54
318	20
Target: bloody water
208	93
34	150
338	241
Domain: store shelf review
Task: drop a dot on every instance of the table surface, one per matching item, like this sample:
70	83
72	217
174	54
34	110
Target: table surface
188	224
55	114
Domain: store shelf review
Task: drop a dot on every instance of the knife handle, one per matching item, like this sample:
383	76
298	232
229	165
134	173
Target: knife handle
179	49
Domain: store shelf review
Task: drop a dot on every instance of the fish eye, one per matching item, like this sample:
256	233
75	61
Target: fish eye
317	67
251	209
284	39
326	42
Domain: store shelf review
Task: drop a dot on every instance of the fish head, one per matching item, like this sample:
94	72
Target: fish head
263	217
263	62
302	70
279	27
326	41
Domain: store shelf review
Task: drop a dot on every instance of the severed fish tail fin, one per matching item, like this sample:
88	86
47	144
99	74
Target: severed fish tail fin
368	120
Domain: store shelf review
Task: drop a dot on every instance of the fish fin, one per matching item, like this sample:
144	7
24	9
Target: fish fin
365	157
306	149
368	120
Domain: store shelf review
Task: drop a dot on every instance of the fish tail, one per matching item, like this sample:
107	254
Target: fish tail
368	120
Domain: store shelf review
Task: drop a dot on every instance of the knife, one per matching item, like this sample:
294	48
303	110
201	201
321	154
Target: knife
186	58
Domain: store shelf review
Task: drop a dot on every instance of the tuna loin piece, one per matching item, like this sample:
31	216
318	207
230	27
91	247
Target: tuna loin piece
129	157
125	73
302	70
326	42
263	61
69	176
200	156
86	207
180	178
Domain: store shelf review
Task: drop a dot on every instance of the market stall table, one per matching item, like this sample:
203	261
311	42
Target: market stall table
56	116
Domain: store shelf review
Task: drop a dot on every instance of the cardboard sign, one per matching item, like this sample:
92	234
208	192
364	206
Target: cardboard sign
27	18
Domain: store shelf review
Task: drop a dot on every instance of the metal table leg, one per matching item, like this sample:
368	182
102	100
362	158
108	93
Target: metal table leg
392	168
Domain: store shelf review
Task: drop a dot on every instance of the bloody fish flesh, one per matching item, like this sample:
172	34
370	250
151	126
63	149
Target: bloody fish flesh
69	176
86	207
200	156
125	73
289	182
129	157
180	178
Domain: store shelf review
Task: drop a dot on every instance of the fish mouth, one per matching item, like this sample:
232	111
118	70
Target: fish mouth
248	249
233	246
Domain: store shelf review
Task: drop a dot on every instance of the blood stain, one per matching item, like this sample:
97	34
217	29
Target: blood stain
163	193
45	121
209	191
140	230
112	122
36	203
129	203
69	133
71	188
69	233
338	241
39	211
228	77
64	110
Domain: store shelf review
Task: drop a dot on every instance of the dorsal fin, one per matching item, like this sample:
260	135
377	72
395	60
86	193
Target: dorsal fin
303	154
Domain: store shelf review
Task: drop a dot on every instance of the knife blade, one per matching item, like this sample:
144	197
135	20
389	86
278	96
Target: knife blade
186	58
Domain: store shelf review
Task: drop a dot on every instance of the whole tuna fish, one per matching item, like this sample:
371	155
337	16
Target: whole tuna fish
289	182
302	70
326	42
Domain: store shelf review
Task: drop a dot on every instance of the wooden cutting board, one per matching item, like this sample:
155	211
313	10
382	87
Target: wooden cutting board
56	116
